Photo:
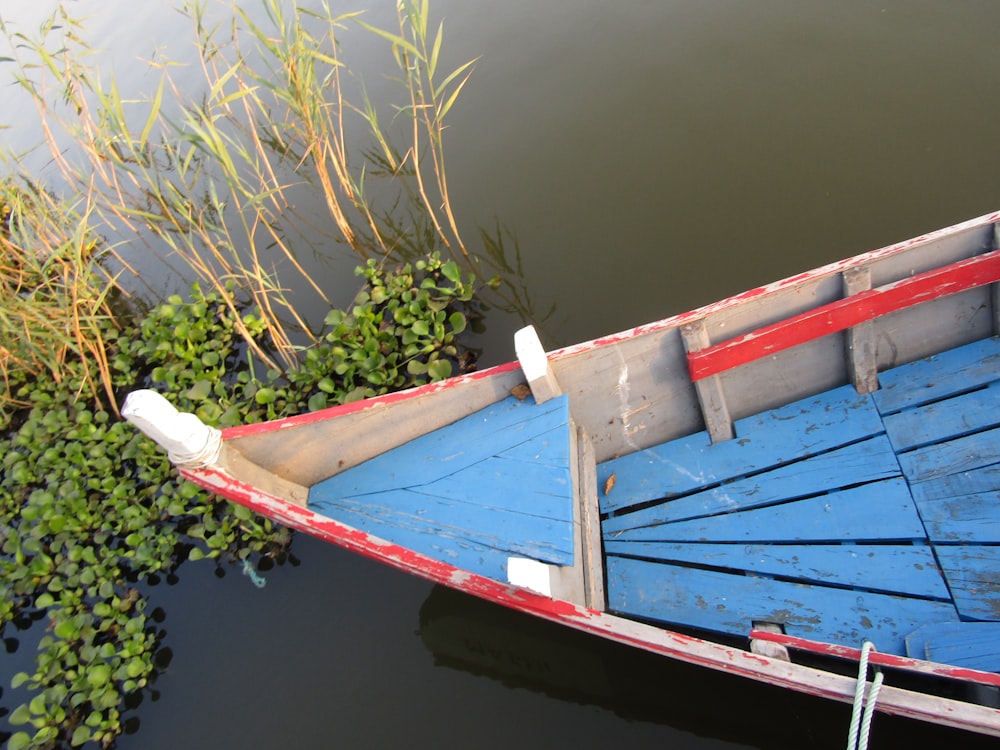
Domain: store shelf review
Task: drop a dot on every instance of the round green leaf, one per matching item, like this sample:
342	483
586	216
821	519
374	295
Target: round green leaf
266	396
439	369
80	735
98	675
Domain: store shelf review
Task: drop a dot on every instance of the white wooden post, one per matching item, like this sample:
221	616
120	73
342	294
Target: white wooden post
188	441
535	365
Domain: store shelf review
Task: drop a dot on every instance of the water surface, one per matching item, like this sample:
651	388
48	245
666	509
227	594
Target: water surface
649	157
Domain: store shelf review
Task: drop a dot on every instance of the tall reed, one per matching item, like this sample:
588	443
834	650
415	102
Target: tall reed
53	290
206	179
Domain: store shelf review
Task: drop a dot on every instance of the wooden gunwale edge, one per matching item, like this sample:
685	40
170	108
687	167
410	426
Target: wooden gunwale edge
690	649
673	321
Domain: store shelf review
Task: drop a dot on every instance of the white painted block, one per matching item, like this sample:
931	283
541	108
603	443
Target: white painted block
529	574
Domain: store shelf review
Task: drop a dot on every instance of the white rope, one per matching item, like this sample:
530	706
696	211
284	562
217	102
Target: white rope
861	720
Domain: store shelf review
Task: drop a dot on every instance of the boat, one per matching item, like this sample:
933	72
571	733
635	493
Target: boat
799	485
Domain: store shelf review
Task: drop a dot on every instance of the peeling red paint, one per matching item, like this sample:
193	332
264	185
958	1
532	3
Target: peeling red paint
690	649
685	648
843	314
885	660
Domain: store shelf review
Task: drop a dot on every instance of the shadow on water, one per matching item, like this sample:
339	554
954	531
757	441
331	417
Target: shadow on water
523	652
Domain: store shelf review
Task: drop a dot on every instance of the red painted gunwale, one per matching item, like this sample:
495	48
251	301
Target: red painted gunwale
332	412
879	659
843	314
690	649
697	651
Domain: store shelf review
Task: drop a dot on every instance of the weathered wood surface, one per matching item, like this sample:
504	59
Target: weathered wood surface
717	536
731	603
904	569
947	435
964	644
845	313
630	392
763	441
910	663
870	460
494	484
861	343
711	396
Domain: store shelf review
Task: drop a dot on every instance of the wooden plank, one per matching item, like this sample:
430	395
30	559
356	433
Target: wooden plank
954	371
876	658
984	479
591	556
495	484
843	314
974	517
711	396
489	432
962	454
861	343
868	461
435	527
973	575
878	511
943	420
975	645
513	486
764	441
437	544
904	569
731	603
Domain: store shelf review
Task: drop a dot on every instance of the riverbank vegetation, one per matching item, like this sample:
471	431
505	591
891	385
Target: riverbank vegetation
91	513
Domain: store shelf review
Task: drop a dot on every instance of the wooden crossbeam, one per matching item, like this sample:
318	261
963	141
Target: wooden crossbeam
844	314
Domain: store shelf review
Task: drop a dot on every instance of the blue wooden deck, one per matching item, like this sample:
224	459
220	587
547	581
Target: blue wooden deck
492	485
842	517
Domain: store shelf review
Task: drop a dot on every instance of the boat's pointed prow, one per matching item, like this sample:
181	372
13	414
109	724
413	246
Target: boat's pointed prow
189	442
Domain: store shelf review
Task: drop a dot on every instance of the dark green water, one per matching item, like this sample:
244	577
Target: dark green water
649	156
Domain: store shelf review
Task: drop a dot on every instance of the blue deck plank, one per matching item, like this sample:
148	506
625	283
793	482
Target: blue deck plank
878	511
868	461
747	529
971	517
489	432
945	420
973	575
975	645
904	569
945	374
764	441
962	507
494	484
732	603
962	454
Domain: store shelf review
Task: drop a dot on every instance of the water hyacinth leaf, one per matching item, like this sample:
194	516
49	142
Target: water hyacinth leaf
81	735
439	369
458	322
19	679
317	402
266	396
20	715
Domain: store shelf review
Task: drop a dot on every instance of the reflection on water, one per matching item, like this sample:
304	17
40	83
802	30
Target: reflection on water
524	652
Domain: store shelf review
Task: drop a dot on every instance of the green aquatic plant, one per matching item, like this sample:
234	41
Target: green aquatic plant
54	292
91	511
211	179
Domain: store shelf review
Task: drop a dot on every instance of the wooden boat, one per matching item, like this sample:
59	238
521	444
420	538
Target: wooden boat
799	484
